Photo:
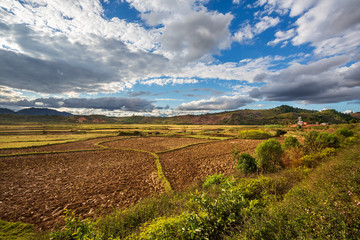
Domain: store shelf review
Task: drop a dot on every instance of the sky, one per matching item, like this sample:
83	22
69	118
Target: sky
173	57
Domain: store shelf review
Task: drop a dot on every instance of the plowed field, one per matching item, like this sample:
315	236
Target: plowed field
185	166
36	188
154	144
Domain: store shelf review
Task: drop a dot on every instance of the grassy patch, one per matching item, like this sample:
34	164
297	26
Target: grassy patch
22	141
16	231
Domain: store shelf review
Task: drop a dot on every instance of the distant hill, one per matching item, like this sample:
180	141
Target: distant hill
41	112
6	111
284	115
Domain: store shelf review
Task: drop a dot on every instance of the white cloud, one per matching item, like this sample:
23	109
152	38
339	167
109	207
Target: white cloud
331	26
189	32
8	94
282	37
196	35
248	32
216	103
245	70
167	81
295	7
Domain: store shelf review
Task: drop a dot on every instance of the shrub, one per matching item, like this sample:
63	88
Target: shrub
350	140
215	179
315	141
75	229
291	142
268	156
246	163
312	160
254	134
280	132
292	157
345	132
325	140
327	152
310	143
309	161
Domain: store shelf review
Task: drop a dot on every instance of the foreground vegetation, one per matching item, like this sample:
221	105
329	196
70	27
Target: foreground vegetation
306	187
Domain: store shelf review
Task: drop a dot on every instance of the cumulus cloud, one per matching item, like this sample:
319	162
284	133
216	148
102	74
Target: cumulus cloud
324	81
189	31
216	103
106	103
55	65
331	26
198	34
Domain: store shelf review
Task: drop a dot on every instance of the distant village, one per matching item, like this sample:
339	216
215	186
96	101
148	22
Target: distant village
301	123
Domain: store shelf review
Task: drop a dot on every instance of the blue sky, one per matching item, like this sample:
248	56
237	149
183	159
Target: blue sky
167	57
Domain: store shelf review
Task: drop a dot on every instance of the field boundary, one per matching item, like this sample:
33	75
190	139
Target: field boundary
159	168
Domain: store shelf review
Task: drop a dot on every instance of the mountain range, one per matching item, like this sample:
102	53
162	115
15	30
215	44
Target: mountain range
35	112
283	115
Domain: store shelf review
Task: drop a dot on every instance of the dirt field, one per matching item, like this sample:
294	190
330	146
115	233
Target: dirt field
35	189
154	144
186	166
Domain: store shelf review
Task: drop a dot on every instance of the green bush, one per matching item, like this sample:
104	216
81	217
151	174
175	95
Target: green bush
268	156
345	132
254	134
327	152
215	179
329	140
315	141
312	160
350	140
75	229
290	142
246	163
310	143
123	223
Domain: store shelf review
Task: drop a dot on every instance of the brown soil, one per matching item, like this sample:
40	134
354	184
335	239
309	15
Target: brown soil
186	166
154	144
36	188
80	145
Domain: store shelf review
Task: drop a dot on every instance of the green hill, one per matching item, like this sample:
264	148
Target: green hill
280	115
283	115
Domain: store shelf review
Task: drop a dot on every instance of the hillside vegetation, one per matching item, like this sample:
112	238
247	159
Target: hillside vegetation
283	115
279	115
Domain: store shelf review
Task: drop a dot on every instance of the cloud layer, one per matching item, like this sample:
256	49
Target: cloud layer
106	103
72	48
324	81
